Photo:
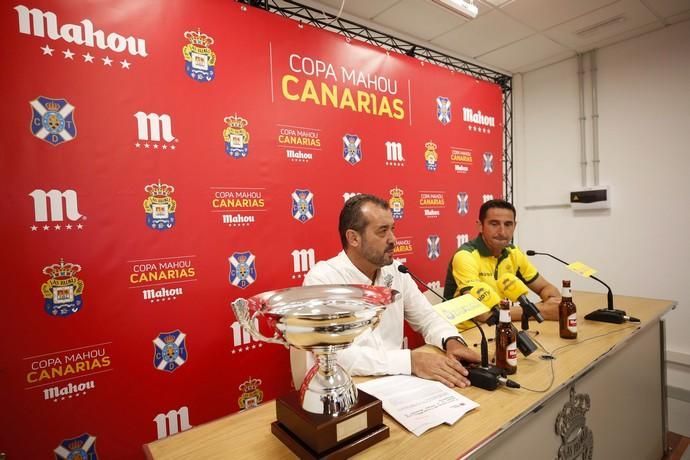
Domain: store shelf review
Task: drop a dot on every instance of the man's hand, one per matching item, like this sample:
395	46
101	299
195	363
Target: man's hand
444	368
549	308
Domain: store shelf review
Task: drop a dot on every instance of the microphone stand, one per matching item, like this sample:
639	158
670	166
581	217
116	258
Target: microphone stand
606	315
483	376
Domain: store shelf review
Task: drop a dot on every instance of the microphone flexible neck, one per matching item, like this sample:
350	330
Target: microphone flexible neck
609	295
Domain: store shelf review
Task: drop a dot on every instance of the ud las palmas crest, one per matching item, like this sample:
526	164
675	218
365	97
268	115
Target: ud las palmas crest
302	205
236	137
242	269
352	148
52	120
433	247
397	203
443	110
160	206
488	162
463	203
82	447
62	292
251	395
430	156
577	439
169	350
200	60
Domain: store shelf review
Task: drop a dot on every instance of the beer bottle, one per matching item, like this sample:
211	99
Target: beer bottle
567	313
506	340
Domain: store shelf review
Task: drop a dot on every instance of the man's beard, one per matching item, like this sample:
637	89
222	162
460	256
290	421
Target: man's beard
380	259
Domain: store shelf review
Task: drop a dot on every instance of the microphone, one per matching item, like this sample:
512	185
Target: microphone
485	376
487	296
514	289
606	315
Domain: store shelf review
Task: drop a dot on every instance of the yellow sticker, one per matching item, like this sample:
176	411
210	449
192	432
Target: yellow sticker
460	309
582	269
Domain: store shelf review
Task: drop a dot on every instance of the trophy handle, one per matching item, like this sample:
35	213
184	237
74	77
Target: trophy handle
241	309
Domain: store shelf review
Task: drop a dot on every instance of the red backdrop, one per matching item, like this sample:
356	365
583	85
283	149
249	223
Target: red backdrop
160	161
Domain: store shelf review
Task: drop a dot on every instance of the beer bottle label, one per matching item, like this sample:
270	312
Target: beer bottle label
511	354
572	322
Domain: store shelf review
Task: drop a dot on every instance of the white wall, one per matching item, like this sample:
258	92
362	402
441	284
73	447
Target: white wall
641	246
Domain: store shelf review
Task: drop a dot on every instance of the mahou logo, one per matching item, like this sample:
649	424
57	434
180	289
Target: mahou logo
302	261
173	422
54	206
477	121
394	154
154	131
45	24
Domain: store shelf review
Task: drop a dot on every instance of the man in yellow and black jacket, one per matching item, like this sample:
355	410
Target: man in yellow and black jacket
489	256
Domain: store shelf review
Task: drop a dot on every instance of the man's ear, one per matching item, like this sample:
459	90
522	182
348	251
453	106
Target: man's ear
353	238
479	225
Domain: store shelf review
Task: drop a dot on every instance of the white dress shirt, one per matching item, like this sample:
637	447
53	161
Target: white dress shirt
378	351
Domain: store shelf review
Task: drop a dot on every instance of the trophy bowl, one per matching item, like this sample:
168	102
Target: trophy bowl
323	320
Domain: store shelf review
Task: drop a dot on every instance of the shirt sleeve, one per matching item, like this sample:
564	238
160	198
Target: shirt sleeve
465	270
423	318
361	358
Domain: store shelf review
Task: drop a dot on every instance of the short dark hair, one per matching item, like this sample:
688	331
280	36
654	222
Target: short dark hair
351	217
501	204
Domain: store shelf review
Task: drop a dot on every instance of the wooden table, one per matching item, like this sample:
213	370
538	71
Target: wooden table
620	366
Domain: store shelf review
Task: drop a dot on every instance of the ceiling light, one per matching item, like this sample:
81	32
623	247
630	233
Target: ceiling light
466	8
592	28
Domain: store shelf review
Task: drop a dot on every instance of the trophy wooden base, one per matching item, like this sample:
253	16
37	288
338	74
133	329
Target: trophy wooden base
315	436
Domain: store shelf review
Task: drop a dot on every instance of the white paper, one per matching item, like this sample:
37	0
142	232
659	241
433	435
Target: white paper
418	404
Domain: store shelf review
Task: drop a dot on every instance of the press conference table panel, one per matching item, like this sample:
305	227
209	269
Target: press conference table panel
619	366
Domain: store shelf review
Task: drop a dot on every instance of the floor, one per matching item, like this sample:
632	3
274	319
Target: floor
678	447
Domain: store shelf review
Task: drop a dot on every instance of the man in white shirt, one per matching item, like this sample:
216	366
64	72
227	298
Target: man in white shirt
366	232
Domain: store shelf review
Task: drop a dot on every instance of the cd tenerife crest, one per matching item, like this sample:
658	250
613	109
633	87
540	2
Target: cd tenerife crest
242	269
52	120
81	447
302	205
169	350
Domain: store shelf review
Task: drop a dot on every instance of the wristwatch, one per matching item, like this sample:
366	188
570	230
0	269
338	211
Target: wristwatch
444	342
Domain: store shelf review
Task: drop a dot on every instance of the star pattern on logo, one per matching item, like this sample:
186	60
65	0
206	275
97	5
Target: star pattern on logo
75	395
395	163
163	299
155	146
56	227
479	129
87	58
297	276
246	348
240	224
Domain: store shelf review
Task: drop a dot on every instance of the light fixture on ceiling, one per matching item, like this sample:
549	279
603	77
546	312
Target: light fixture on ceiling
466	8
596	27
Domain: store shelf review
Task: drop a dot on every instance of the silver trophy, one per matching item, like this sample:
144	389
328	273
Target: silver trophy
323	320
